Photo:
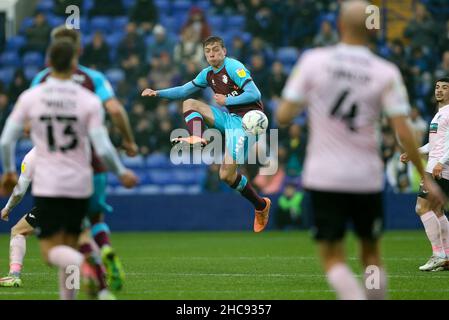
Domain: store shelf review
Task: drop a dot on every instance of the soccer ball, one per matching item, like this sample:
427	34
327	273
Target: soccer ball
255	122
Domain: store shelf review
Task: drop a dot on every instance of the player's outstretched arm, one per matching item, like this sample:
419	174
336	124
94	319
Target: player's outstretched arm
17	195
174	93
120	119
105	150
407	139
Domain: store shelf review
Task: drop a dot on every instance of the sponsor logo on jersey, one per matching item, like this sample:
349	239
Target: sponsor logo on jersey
241	73
433	128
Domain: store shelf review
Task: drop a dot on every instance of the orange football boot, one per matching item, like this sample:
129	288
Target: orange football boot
261	217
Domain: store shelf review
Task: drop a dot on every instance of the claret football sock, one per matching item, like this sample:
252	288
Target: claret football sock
94	260
195	123
100	233
242	185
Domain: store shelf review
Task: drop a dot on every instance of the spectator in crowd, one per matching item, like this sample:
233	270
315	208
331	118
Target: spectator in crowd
4	105
301	23
419	126
277	80
162	135
144	14
259	47
107	8
222	7
134	68
142	133
443	69
260	75
422	30
137	112
61	6
132	43
327	35
196	21
443	42
162	43
237	49
295	147
38	35
163	72
96	55
18	85
289	210
265	25
189	48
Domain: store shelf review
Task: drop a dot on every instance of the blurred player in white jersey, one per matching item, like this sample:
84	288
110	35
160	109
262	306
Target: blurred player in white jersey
346	88
63	117
435	221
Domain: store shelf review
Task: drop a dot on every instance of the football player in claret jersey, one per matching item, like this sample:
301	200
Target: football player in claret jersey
435	221
64	119
346	89
234	89
96	82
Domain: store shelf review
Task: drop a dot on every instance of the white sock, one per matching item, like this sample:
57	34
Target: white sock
433	231
376	289
341	278
17	250
62	257
444	224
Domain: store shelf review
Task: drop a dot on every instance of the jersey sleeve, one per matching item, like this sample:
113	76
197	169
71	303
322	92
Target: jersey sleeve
201	79
298	83
238	73
394	98
103	88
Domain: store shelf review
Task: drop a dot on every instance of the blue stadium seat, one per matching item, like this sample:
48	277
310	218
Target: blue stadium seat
163	7
26	23
157	159
119	23
216	23
55	21
33	58
180	19
113	39
160	176
6	74
128	4
10	58
204	5
149	40
236	22
87	5
113	180
181	6
15	43
122	191
287	55
195	189
45	6
149	189
174	189
31	71
86	39
101	23
136	162
167	22
115	75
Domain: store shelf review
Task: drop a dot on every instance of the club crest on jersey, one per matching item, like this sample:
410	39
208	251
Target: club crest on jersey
241	73
225	79
213	82
433	128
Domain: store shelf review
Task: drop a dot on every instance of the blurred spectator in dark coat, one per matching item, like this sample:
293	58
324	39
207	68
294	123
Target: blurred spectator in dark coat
422	30
163	42
197	21
96	54
326	37
277	80
144	14
107	8
38	35
18	85
132	43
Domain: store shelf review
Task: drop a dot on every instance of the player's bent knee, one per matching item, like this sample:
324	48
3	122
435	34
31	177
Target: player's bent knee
189	104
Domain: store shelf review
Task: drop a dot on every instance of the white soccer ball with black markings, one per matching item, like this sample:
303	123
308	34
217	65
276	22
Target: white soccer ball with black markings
255	122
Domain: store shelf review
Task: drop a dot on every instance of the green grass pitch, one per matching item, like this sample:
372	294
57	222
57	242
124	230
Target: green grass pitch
235	265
